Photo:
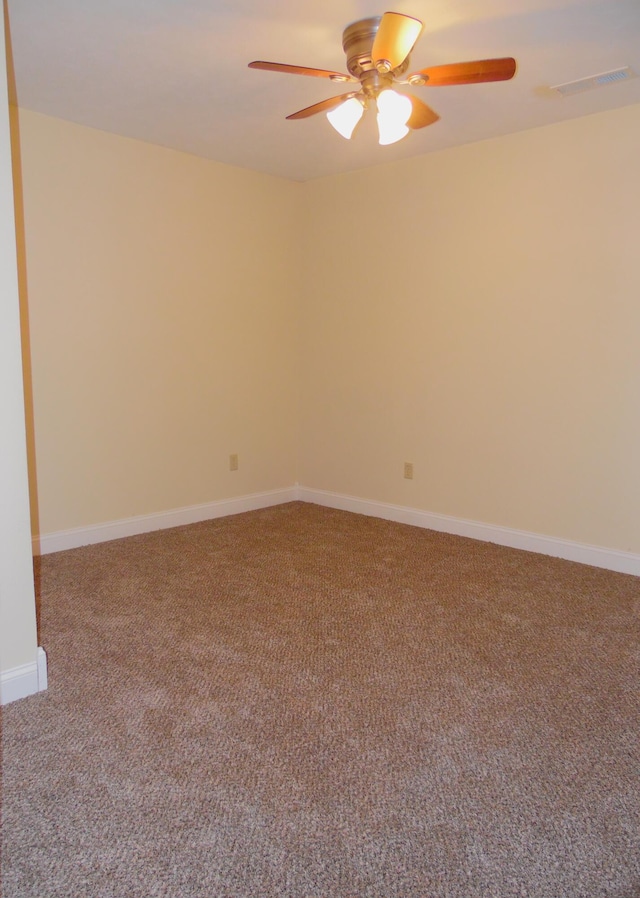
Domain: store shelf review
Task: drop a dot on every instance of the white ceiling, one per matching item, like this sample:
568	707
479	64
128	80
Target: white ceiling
174	72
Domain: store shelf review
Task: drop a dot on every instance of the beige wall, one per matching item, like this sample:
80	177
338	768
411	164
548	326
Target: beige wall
477	312
162	293
474	312
18	643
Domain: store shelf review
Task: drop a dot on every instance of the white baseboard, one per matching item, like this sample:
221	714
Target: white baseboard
27	679
192	514
612	559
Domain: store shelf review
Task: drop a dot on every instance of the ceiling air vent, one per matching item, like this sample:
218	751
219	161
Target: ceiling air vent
593	81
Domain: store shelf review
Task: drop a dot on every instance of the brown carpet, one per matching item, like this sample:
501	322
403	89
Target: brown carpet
310	703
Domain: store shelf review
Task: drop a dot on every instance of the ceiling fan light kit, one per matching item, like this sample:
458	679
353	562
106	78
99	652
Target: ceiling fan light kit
394	111
378	51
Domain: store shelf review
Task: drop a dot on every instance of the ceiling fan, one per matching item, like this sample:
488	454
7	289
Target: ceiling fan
377	51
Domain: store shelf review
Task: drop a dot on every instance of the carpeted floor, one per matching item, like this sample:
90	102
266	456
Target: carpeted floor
309	703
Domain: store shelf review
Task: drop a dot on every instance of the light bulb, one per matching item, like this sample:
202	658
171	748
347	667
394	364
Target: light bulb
346	116
394	111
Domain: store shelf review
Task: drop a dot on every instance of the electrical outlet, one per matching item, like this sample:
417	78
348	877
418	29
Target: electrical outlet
233	462
408	470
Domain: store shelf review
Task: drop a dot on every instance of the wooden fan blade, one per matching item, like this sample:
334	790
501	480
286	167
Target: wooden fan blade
299	70
322	106
466	72
394	39
422	114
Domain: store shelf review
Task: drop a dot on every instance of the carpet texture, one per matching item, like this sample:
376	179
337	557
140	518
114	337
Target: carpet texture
310	703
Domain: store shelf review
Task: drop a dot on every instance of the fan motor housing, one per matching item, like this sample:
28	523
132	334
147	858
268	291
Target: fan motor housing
357	43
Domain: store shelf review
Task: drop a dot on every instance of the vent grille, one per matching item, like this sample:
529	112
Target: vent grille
594	81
